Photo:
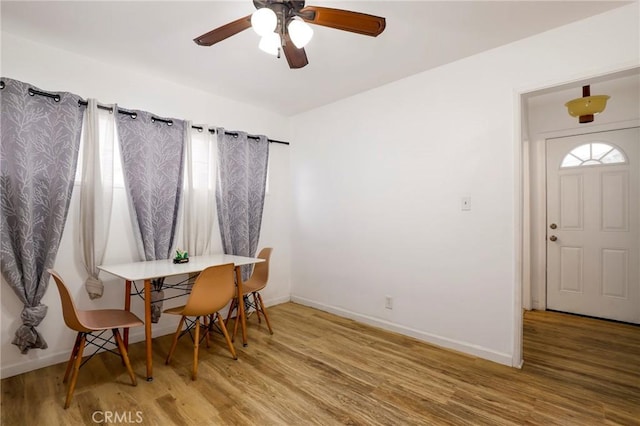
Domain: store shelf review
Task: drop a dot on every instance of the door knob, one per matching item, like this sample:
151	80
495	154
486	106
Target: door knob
553	226
553	238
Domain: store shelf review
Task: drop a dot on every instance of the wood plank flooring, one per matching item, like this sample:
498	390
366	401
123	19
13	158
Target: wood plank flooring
320	369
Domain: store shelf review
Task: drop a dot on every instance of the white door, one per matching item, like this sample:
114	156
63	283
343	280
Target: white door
593	256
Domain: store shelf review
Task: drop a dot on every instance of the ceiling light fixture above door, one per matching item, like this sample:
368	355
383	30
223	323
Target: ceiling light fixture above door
587	106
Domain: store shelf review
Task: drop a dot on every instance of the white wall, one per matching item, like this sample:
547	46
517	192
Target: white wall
56	70
378	180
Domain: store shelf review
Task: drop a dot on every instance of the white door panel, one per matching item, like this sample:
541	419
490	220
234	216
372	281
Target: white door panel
593	223
571	267
615	201
571	202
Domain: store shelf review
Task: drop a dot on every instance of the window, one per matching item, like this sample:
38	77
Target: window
593	154
203	161
109	155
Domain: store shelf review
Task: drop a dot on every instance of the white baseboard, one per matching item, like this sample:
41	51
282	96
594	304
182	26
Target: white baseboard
467	348
52	358
277	301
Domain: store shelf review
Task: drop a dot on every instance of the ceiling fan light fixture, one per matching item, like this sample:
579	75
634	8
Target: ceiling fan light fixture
300	32
264	21
270	43
288	19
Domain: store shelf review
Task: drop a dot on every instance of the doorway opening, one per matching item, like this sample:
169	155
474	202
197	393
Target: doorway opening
545	119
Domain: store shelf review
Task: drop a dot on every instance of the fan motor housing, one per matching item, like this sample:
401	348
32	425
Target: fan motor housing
291	4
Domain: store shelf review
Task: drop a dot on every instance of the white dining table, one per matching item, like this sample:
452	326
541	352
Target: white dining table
147	271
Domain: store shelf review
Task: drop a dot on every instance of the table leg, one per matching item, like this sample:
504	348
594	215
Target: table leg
243	318
147	328
127	307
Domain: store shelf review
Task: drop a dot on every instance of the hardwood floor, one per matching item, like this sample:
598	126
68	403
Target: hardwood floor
322	369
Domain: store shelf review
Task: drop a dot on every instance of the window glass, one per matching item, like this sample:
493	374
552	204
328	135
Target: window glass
571	161
599	150
593	154
107	153
203	159
613	157
583	152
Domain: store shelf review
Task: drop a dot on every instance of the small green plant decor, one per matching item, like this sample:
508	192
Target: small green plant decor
181	257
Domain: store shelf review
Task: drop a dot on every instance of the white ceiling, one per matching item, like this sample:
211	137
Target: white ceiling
156	36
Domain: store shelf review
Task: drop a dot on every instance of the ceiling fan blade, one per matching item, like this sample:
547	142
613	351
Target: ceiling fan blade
345	20
297	58
223	32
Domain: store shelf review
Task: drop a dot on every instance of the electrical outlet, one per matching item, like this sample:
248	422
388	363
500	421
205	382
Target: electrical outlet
388	302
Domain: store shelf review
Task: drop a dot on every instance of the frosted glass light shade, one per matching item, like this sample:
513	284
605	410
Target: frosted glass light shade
264	21
300	32
588	105
270	43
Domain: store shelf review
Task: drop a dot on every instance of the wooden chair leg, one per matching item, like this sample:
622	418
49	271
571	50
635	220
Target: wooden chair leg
264	312
175	341
76	369
72	358
232	306
226	336
124	355
196	344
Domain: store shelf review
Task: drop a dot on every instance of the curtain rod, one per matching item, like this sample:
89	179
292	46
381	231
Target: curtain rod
56	98
211	130
121	111
33	92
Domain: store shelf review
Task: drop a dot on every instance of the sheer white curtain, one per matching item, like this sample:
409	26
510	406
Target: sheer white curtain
200	233
96	190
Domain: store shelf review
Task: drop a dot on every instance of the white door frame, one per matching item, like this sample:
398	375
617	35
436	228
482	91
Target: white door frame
522	263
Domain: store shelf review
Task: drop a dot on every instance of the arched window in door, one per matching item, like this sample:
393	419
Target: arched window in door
593	154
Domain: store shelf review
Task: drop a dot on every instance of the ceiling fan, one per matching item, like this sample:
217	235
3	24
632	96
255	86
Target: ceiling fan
282	25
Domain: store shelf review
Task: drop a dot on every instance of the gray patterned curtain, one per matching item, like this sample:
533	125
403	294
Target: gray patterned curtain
39	141
152	162
242	178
